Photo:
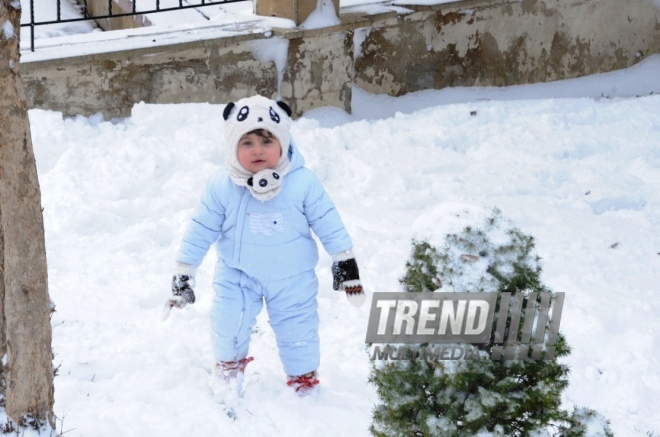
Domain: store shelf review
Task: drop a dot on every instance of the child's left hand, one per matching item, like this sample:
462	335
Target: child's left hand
346	276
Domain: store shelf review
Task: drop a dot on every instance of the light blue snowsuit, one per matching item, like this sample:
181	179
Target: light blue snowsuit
266	251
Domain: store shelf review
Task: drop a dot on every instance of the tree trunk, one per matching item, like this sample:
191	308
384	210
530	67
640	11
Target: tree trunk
28	371
3	328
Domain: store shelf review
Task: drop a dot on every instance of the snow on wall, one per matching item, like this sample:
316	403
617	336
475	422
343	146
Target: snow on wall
323	16
275	50
8	30
359	35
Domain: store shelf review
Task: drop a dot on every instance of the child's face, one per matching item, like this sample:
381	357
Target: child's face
256	152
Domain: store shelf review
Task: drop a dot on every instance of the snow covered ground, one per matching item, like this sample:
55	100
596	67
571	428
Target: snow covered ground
576	164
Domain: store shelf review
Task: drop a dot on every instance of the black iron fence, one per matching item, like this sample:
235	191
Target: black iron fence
86	16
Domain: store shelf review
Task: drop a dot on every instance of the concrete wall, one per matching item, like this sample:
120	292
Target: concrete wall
213	71
471	42
505	43
296	10
319	70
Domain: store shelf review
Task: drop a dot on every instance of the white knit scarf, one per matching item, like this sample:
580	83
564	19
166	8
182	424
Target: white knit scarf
260	190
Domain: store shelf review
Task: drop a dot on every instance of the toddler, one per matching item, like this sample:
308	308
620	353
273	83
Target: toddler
259	214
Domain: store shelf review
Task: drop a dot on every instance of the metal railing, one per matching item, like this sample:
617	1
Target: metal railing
183	4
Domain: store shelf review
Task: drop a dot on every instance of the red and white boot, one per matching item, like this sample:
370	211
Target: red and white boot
304	384
226	383
229	370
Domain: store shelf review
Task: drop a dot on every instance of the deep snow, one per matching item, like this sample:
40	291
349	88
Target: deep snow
579	172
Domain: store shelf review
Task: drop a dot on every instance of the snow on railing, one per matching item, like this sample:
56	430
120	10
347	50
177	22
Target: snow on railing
86	16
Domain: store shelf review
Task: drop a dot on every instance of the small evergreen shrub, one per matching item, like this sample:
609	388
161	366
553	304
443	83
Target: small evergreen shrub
422	397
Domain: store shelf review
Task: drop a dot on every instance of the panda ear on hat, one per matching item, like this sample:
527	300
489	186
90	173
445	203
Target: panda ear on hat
227	111
285	107
231	105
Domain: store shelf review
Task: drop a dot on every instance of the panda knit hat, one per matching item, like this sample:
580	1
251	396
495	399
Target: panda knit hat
246	115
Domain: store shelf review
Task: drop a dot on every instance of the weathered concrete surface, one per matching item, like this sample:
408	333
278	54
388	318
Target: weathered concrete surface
319	71
466	43
513	42
112	83
296	10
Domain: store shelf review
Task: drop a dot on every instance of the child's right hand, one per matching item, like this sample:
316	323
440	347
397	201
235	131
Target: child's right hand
182	286
182	289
